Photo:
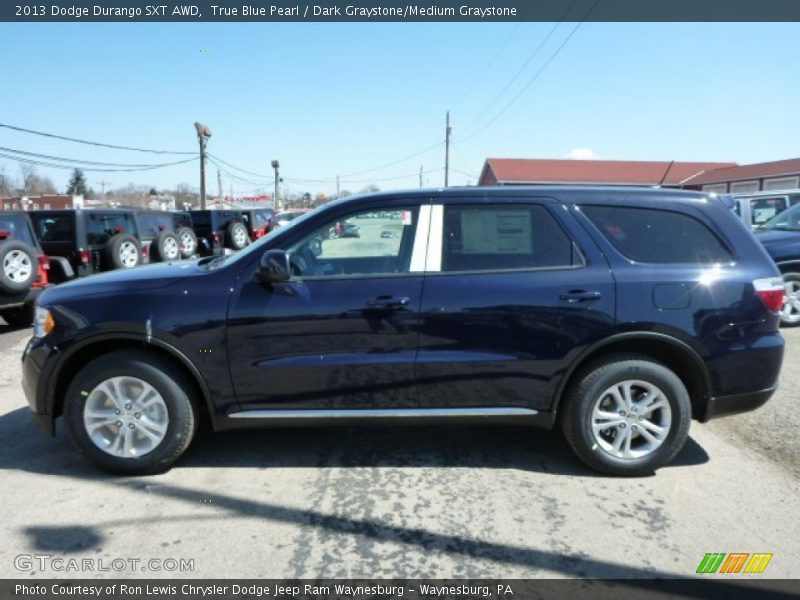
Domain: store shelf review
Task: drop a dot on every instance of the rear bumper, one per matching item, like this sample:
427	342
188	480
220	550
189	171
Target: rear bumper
20	299
723	406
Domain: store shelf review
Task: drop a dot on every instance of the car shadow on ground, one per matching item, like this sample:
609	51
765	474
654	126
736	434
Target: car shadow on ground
472	446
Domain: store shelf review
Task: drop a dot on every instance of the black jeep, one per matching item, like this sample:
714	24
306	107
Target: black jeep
23	269
219	229
92	240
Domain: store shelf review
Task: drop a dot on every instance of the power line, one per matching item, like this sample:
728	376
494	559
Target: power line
87	142
238	168
90	169
489	65
536	75
75	161
519	72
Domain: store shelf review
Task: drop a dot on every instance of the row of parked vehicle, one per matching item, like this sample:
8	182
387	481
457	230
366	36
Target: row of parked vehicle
43	247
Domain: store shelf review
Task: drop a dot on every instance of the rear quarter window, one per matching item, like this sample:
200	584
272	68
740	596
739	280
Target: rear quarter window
658	236
54	228
16	227
100	227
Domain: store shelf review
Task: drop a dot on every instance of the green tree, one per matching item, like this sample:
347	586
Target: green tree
77	184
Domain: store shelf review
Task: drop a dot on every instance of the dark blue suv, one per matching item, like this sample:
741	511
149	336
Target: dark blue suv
618	313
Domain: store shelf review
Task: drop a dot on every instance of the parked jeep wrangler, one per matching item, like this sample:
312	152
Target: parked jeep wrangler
219	229
156	230
184	229
92	240
23	269
259	222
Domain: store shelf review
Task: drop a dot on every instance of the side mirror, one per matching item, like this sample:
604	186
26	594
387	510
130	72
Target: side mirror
274	267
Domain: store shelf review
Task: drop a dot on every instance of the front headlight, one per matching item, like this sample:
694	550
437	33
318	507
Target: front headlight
43	322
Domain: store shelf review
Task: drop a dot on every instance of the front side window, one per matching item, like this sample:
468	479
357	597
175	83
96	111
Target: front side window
657	236
374	242
499	238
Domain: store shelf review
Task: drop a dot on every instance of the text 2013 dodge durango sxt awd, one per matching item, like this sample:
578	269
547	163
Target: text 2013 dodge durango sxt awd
617	313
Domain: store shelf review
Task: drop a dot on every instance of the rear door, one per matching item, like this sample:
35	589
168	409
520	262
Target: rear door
513	291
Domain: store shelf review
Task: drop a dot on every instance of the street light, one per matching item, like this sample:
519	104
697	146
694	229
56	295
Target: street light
276	165
203	133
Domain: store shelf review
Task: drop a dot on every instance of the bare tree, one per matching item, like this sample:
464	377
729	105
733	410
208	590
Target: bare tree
33	183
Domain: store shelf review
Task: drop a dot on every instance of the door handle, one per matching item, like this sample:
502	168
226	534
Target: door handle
388	302
575	296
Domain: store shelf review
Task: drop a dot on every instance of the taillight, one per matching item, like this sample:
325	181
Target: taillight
145	250
44	262
85	257
217	238
772	292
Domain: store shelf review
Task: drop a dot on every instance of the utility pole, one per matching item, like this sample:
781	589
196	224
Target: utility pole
219	186
276	202
337	187
448	130
420	176
203	133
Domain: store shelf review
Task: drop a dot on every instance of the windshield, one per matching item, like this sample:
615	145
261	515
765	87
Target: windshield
787	220
258	246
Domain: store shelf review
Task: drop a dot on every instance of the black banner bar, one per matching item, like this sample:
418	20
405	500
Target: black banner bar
398	589
399	10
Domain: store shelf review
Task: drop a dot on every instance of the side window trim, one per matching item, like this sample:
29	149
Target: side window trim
433	261
421	248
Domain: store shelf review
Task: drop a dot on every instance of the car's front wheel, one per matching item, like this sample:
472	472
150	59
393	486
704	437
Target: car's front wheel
626	415
130	413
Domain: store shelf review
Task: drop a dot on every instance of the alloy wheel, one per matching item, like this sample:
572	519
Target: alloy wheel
125	417
128	254
631	419
790	313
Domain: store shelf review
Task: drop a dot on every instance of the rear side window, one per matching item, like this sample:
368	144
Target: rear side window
657	236
54	228
499	238
16	227
101	227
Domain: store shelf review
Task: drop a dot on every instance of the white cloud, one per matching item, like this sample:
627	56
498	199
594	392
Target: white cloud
581	154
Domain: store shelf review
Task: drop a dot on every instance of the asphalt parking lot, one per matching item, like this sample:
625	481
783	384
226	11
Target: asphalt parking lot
404	502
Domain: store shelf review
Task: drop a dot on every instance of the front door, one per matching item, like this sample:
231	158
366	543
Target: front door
342	332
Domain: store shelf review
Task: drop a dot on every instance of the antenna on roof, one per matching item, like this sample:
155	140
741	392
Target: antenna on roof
664	176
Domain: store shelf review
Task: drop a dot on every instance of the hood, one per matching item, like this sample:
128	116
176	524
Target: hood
147	277
777	236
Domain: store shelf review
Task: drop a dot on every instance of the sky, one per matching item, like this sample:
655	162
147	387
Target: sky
354	100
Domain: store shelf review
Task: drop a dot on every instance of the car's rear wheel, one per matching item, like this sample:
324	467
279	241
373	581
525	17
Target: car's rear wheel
130	413
124	251
18	266
236	236
188	242
165	247
790	313
626	415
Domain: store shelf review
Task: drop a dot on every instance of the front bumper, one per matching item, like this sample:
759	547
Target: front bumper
34	376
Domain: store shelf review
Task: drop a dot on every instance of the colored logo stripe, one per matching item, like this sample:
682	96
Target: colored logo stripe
758	563
734	563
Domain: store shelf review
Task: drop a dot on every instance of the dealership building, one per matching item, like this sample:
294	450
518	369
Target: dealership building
716	177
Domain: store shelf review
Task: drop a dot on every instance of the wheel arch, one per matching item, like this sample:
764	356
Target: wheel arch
675	354
81	354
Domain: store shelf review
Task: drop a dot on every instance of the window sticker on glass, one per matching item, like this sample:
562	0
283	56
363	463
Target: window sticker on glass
506	232
763	214
405	215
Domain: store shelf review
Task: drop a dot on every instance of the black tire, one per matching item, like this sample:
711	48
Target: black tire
236	236
115	246
18	317
165	247
13	251
589	385
792	319
170	382
187	251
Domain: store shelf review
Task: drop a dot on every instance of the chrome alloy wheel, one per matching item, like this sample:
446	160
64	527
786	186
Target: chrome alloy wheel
240	237
790	313
125	417
631	419
128	255
171	249
188	245
17	266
